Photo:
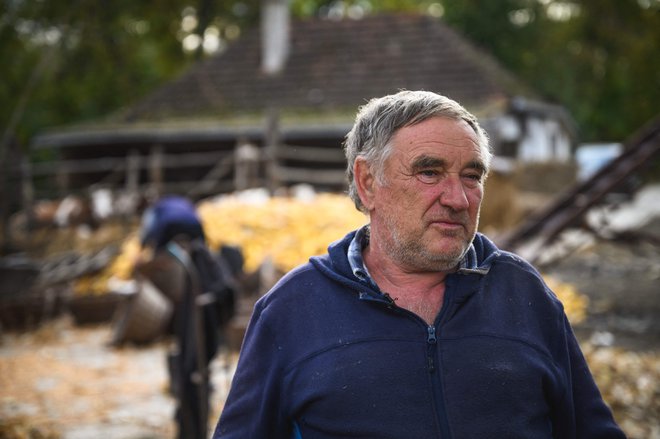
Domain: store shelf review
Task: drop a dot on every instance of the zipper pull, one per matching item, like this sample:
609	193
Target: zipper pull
389	299
431	339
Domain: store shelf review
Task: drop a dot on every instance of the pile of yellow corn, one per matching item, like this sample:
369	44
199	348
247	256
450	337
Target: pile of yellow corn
121	268
575	304
285	229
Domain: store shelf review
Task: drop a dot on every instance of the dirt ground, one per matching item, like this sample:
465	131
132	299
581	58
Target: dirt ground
621	334
65	381
622	281
619	272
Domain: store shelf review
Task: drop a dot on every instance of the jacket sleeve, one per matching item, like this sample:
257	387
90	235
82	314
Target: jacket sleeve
253	408
593	418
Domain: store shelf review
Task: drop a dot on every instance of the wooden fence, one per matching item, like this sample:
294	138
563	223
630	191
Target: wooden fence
195	174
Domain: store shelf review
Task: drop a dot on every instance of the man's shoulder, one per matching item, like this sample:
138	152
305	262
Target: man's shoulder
523	278
296	282
297	275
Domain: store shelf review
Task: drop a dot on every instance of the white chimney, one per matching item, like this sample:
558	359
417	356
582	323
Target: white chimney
274	35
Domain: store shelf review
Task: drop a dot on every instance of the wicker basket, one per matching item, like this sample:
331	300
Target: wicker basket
29	309
93	308
142	316
166	274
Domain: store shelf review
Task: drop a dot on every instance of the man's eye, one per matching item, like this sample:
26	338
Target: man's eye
429	176
474	177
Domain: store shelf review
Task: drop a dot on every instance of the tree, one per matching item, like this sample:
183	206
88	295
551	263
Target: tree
77	61
596	57
614	50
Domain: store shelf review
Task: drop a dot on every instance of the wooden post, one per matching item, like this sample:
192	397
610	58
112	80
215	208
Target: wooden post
246	165
6	177
272	140
156	159
132	172
27	191
62	177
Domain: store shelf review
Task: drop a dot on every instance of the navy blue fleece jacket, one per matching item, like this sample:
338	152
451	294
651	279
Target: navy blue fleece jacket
326	356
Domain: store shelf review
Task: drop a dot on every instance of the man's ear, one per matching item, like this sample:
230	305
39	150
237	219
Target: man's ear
365	182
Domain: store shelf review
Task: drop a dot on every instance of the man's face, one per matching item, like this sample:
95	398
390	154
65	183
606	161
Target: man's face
426	210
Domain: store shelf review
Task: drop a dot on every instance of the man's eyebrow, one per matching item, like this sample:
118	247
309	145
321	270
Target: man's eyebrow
477	165
425	162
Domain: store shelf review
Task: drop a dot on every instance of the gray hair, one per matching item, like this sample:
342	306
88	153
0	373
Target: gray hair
379	119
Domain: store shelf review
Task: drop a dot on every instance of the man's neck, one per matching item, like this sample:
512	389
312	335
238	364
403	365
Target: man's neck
419	292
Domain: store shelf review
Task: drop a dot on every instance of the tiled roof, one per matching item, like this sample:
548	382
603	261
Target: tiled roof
335	65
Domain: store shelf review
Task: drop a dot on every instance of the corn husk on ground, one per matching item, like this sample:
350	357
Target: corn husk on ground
121	268
286	229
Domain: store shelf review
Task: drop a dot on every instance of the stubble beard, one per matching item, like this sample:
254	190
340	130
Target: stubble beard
410	250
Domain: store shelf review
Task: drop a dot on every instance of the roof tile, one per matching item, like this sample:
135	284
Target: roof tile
335	65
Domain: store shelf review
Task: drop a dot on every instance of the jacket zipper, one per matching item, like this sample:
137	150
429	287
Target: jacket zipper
431	352
436	381
431	340
437	384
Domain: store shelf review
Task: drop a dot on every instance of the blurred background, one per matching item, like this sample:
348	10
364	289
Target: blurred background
242	106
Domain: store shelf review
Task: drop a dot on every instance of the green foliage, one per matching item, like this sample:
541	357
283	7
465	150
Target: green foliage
85	58
81	60
617	49
600	60
75	61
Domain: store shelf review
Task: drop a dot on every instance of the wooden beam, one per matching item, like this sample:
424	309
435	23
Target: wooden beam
107	164
335	177
311	154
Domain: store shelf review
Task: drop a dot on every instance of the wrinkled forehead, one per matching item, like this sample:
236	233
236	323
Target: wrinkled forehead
442	135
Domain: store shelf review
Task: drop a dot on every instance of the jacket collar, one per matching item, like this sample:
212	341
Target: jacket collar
344	261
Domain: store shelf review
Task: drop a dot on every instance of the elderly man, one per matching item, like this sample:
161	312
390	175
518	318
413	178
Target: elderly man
415	326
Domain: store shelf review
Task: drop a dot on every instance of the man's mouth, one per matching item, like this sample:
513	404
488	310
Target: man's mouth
447	224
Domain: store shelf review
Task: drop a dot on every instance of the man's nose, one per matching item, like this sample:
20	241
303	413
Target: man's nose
453	194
